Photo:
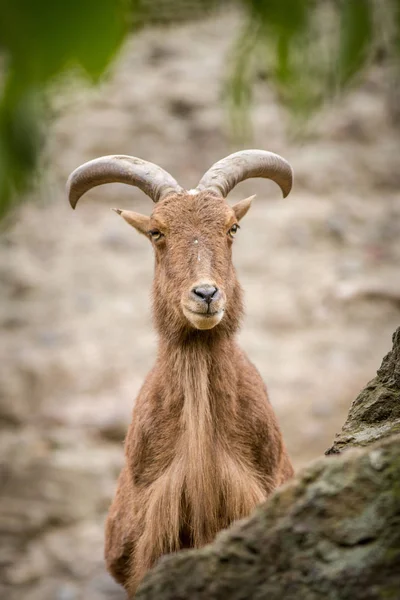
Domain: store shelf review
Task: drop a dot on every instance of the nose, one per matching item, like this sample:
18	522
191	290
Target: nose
205	292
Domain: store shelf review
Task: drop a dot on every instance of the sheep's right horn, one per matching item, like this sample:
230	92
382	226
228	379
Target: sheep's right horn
150	178
225	174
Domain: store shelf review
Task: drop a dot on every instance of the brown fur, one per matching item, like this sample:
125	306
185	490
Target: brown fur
204	446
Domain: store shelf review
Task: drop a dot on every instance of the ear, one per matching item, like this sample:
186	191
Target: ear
241	208
140	222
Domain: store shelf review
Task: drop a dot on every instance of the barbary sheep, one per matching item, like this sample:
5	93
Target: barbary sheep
204	446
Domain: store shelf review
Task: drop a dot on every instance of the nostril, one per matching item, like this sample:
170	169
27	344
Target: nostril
205	292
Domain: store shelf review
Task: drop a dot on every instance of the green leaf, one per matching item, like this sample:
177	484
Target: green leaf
39	40
356	38
43	36
281	16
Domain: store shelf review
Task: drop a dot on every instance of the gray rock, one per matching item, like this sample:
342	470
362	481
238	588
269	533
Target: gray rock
375	413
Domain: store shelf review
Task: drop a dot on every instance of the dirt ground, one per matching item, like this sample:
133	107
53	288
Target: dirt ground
320	272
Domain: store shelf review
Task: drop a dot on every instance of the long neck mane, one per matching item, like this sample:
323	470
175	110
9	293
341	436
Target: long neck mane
209	482
216	480
203	372
199	370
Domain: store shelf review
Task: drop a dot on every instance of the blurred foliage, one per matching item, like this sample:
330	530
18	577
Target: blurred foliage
38	40
309	49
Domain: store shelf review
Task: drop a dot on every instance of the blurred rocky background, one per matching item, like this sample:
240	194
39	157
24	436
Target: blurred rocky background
320	271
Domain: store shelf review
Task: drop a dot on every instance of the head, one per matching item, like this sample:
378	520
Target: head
195	283
192	232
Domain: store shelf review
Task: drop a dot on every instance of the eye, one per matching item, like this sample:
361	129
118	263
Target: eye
155	235
233	230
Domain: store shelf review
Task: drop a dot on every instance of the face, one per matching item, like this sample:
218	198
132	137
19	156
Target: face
195	283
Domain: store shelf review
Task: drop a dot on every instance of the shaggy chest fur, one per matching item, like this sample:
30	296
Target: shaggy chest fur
209	482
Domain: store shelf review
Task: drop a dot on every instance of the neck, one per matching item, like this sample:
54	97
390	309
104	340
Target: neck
201	355
207	480
203	377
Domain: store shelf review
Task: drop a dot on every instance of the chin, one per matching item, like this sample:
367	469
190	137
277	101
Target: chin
203	320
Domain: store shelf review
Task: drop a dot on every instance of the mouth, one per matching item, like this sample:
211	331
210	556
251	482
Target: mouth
203	320
204	314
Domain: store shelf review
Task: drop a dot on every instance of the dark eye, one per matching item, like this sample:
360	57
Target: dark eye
233	230
156	235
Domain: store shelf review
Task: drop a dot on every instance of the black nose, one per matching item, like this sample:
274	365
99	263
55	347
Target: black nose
205	292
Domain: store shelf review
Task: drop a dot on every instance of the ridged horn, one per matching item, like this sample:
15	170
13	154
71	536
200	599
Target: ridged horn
150	178
225	174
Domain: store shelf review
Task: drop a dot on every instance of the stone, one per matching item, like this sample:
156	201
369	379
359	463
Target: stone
375	413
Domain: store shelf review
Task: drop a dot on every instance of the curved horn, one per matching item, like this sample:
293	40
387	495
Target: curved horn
225	174
150	178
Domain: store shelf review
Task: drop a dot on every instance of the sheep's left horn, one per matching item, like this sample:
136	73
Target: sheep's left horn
150	178
225	174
